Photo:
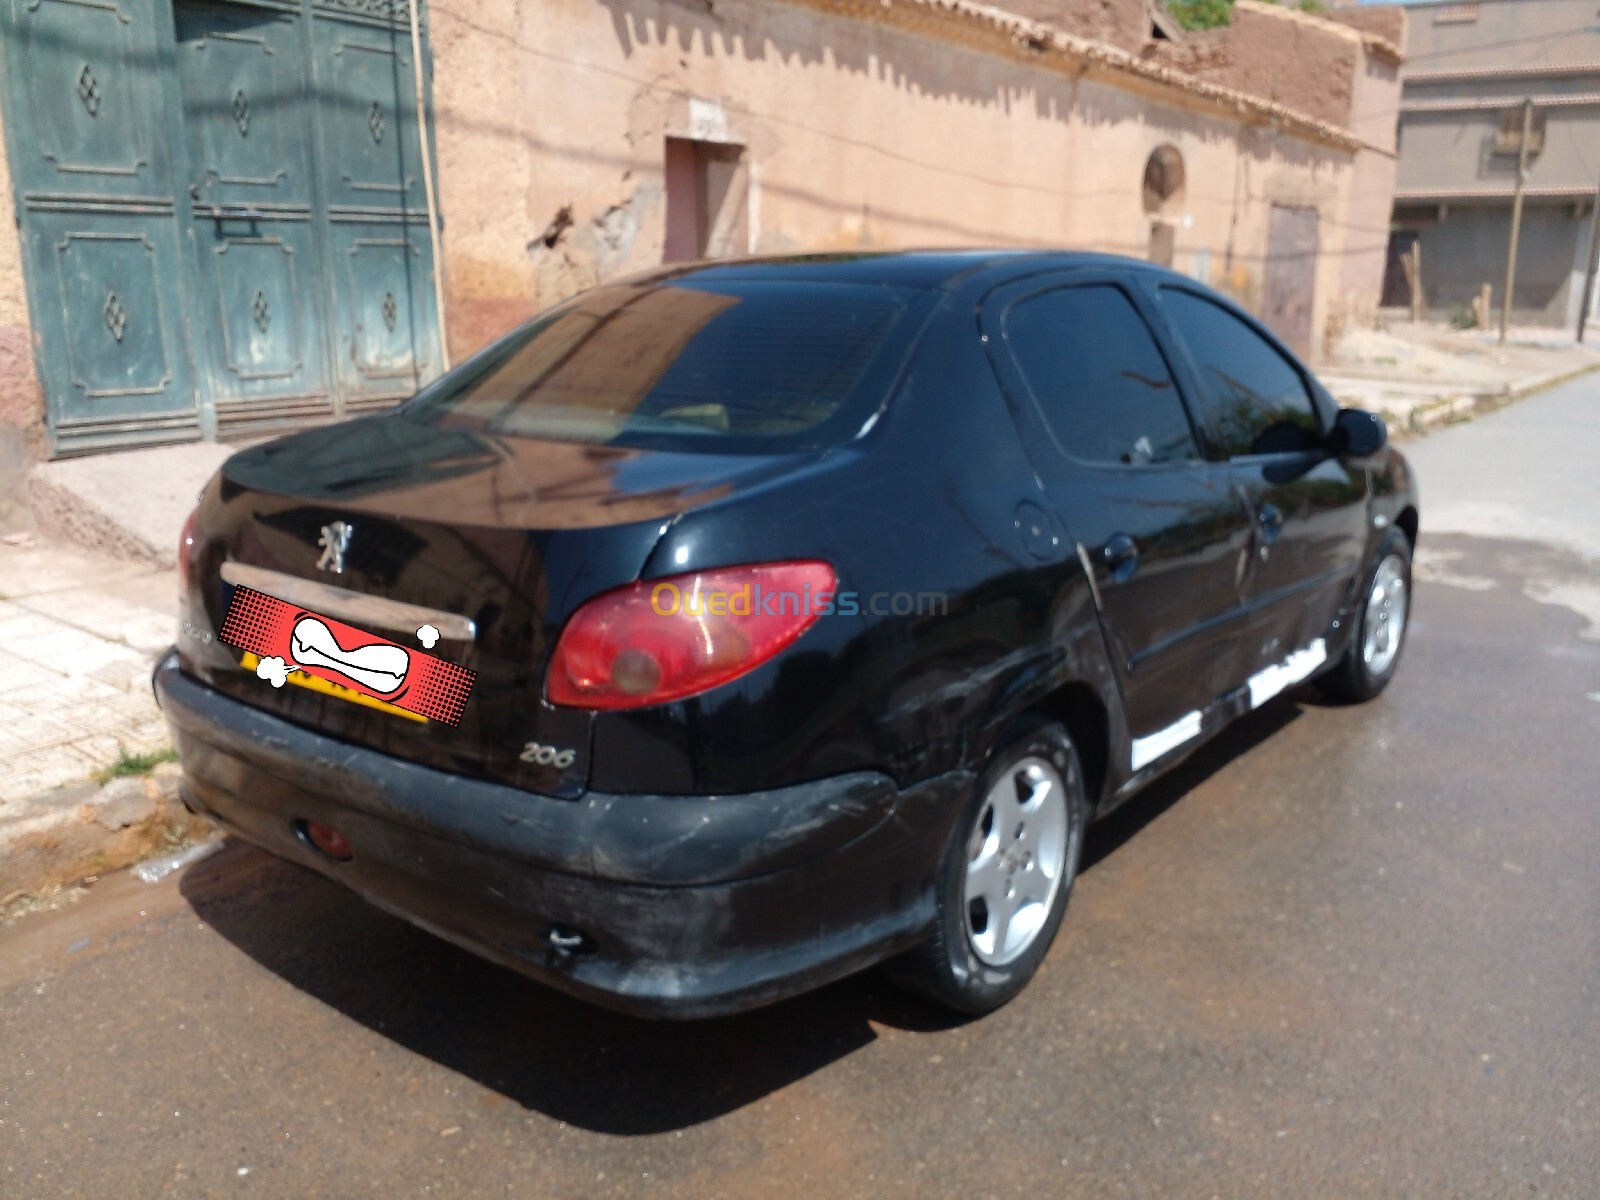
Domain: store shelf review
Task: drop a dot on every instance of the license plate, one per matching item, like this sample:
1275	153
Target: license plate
285	644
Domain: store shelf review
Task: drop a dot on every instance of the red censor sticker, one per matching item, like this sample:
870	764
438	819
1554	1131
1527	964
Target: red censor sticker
287	639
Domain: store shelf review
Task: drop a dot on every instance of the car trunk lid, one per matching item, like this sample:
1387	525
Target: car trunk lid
387	524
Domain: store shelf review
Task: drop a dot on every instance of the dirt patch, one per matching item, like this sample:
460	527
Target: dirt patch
40	868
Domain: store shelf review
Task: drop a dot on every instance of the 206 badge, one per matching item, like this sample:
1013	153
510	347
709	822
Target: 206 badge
286	641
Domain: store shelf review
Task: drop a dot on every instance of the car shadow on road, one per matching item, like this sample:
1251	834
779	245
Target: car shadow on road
591	1068
1114	831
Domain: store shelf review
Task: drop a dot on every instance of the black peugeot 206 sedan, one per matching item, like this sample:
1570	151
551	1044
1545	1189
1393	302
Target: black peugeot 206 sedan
731	628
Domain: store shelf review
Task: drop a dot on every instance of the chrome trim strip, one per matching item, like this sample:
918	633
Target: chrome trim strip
356	607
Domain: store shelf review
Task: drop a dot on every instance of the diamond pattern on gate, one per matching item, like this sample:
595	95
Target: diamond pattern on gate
261	311
89	90
116	317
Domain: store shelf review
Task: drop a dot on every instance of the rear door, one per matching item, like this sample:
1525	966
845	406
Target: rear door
1158	528
1307	506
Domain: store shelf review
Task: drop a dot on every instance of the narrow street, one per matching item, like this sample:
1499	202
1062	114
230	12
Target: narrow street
1344	952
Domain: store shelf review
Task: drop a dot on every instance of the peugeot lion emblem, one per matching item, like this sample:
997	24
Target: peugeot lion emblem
334	540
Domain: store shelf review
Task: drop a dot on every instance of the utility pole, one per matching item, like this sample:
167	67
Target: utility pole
1594	260
1516	215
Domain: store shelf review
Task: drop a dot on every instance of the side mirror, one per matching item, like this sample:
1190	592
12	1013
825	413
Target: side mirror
1358	433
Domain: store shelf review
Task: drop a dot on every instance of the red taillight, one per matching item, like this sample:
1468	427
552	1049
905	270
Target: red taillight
664	639
188	547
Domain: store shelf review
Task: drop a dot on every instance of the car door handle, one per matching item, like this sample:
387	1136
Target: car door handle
1121	555
1271	522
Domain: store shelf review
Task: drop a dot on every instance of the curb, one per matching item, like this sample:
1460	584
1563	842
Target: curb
1455	410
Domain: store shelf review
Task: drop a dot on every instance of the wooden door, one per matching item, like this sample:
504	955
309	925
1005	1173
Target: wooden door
1291	281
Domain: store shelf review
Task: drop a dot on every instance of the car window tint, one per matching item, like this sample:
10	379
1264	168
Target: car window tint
681	364
1098	375
1254	399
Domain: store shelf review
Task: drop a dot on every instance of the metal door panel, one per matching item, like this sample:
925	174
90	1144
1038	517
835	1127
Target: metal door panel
367	114
380	254
384	295
222	211
116	343
113	345
1298	579
262	291
86	99
1166	623
92	176
251	200
240	76
1166	620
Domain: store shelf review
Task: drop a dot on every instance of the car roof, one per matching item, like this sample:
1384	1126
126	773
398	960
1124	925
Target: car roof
929	269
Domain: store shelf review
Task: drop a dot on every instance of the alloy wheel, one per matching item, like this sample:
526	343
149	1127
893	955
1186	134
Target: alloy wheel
1016	858
1385	619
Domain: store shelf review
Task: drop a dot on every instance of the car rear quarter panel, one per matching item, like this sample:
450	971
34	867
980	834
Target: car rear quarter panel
920	512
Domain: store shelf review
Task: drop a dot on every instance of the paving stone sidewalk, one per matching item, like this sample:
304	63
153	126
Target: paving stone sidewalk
79	633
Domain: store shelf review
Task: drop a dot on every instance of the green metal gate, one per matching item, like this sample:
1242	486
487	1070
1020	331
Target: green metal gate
222	211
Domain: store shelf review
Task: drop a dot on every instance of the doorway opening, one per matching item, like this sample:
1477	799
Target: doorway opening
708	198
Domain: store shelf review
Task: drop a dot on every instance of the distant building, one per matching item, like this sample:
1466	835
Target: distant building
1469	67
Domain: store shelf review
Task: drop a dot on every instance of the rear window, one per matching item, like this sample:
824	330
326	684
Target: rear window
734	366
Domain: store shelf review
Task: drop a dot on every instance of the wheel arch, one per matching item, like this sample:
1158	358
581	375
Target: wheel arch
1078	707
1407	523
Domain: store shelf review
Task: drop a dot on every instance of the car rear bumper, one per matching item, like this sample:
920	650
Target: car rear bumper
688	906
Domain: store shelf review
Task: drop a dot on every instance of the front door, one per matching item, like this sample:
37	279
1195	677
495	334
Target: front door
1159	531
1307	507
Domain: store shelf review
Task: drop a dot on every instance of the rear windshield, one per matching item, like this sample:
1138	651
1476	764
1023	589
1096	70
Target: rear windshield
733	366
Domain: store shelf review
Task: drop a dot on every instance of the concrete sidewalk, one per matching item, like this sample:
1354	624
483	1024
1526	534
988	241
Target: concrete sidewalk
79	633
1420	376
88	600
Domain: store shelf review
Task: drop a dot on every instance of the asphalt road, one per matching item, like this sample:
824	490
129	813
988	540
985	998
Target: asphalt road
1346	952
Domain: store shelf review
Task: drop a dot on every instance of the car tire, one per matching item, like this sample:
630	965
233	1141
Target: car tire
1379	628
1006	876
